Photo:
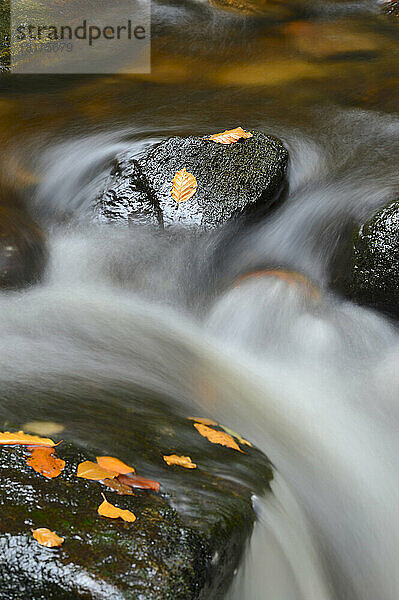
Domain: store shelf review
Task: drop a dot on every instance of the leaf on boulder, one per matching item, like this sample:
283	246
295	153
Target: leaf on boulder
140	483
106	509
217	437
25	439
203	420
91	470
230	136
47	538
181	461
237	436
44	427
114	464
184	186
44	461
118	487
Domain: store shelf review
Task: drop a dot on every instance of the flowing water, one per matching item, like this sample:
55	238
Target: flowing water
311	378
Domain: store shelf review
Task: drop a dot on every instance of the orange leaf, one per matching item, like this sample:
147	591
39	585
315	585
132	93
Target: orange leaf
293	279
181	461
114	464
118	487
44	461
47	538
91	470
203	420
184	186
20	437
230	136
217	437
237	435
140	483
106	509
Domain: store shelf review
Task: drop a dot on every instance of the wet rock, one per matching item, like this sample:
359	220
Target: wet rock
231	179
22	249
391	8
187	539
375	268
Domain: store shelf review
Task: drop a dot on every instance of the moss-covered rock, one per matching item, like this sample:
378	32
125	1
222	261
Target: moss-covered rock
231	179
375	269
187	539
22	249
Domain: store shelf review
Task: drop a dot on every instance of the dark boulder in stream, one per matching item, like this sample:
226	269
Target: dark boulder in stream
22	249
185	544
231	178
375	269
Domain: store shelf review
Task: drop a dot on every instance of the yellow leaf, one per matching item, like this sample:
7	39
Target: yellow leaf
230	136
217	437
91	470
44	461
236	435
20	437
44	427
106	509
184	186
47	538
203	420
114	464
181	461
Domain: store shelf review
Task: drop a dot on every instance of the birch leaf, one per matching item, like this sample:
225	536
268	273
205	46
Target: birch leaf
44	461
181	461
230	136
184	186
237	436
106	509
25	439
203	420
217	437
140	483
114	464
120	488
47	538
91	470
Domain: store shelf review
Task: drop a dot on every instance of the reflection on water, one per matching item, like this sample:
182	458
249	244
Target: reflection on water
313	383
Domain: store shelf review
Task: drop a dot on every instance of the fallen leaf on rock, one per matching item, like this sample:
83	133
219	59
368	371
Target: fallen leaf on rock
203	420
114	464
19	437
47	538
237	436
44	427
106	509
230	136
44	461
184	186
140	483
91	470
217	437
181	461
118	487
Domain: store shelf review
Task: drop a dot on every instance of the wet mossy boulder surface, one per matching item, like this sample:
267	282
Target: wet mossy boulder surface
188	538
375	270
231	179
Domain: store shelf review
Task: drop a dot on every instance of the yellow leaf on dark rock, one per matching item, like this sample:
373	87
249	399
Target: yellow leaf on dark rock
230	136
237	436
217	437
44	461
114	464
106	509
47	538
181	461
184	186
91	470
203	420
19	437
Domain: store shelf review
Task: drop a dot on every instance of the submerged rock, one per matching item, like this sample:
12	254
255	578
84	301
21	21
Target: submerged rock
22	249
187	539
231	179
375	268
